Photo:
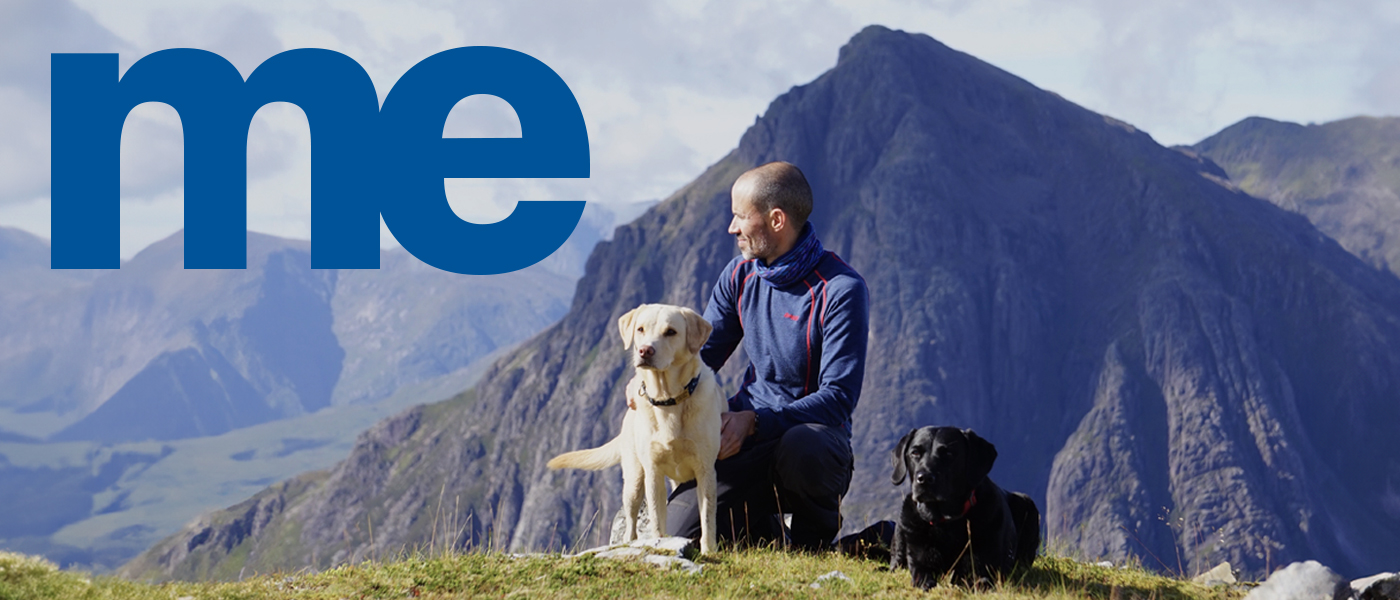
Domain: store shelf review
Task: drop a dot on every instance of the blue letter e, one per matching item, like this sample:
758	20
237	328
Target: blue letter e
415	159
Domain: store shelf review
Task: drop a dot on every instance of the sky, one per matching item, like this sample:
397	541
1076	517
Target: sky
667	88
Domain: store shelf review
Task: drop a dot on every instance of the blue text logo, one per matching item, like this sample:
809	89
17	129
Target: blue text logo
366	160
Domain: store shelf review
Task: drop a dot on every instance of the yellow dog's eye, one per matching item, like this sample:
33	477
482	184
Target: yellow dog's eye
641	330
670	331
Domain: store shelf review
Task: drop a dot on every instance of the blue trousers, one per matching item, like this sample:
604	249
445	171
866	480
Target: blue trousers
804	473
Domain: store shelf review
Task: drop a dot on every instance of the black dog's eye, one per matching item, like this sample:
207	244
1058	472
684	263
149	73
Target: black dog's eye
670	331
916	451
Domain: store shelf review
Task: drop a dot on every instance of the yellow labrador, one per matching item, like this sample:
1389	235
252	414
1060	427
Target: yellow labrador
673	430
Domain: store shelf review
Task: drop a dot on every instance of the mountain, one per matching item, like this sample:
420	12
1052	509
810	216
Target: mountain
1173	369
153	351
199	353
1343	176
37	306
109	380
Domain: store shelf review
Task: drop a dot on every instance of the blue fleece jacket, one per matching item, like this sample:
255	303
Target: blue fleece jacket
806	343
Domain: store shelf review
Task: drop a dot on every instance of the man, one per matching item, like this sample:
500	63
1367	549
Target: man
803	314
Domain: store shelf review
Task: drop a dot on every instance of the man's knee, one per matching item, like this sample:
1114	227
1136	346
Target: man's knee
682	514
814	460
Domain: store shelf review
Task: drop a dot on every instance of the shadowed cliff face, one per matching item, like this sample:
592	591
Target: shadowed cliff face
1169	366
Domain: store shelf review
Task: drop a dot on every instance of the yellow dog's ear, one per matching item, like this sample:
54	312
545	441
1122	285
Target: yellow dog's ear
624	327
697	330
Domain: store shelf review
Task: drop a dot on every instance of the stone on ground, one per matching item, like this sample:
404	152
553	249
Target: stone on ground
1308	580
1385	586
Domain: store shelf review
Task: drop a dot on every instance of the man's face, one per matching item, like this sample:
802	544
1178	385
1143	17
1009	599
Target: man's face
750	227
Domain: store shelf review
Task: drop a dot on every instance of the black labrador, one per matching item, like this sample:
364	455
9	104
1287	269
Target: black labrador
955	520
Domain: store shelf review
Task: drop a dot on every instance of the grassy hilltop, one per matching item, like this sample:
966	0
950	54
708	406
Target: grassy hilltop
751	573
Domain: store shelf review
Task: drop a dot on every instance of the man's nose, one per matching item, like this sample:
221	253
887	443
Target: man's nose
733	227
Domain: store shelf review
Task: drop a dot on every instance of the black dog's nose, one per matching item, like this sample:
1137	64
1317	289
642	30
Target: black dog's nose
921	477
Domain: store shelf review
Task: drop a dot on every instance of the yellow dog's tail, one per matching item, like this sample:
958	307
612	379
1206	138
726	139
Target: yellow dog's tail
593	459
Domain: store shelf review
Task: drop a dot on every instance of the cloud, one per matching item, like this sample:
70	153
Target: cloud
1184	70
668	87
1380	92
29	31
243	36
24	146
32	29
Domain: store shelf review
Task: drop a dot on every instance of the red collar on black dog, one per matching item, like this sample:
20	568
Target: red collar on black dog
967	506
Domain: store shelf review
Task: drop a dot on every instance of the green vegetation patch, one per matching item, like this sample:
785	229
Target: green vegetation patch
749	573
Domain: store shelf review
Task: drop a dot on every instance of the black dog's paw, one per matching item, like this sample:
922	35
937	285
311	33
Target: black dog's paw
871	543
923	581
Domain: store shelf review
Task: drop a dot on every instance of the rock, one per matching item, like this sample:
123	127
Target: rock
619	534
1222	574
667	552
680	546
672	562
588	551
837	575
1385	586
624	552
1302	581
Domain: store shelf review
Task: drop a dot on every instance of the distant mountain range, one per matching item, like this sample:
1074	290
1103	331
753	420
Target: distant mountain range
156	352
1174	369
113	382
1343	176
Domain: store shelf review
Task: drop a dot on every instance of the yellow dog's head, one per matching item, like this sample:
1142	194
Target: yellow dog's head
663	334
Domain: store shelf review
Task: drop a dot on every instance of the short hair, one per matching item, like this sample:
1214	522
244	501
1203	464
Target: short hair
780	185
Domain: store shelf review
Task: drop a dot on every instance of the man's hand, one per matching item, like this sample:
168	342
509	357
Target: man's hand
734	428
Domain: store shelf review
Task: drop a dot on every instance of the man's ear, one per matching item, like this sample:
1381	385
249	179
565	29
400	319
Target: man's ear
899	468
980	456
624	327
697	330
777	219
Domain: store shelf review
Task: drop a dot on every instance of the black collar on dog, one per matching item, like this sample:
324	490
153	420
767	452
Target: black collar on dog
967	507
689	389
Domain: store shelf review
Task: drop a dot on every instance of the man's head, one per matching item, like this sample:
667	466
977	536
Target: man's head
771	203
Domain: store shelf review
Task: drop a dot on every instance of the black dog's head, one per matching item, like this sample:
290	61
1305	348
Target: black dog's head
944	464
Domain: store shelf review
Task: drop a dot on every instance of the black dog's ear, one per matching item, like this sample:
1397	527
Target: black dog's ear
980	456
899	470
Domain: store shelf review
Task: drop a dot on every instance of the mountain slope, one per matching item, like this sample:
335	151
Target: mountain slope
1343	176
121	362
1169	366
154	336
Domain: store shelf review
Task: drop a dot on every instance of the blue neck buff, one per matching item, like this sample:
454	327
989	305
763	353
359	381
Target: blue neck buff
796	264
